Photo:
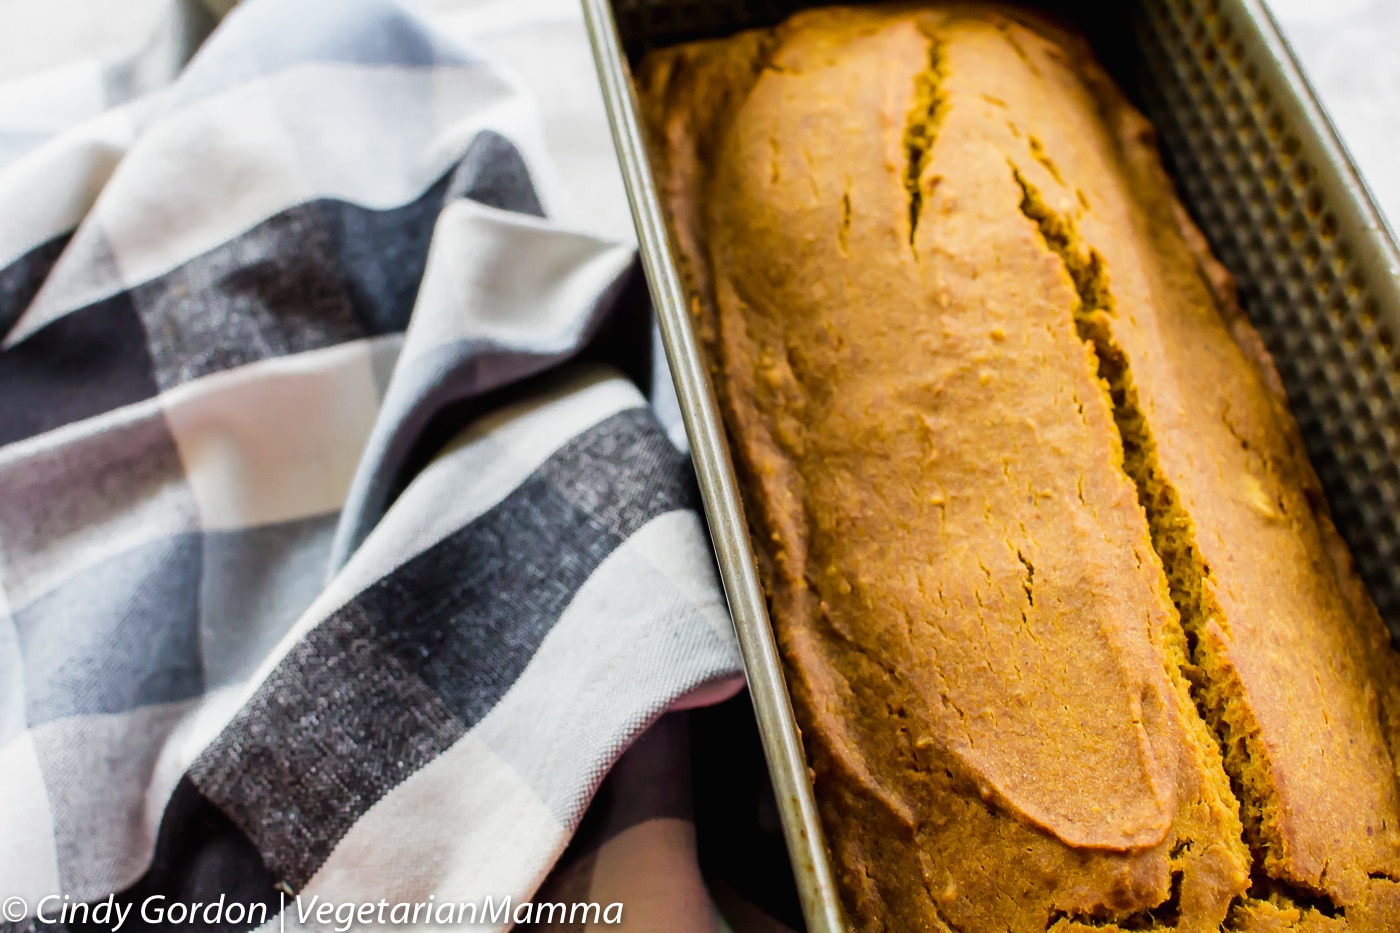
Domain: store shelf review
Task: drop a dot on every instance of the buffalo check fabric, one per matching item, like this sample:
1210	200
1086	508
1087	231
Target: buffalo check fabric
328	564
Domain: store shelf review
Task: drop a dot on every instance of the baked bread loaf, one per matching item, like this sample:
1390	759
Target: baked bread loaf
1071	639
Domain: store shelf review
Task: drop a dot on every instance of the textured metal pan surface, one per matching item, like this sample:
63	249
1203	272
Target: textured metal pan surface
1259	167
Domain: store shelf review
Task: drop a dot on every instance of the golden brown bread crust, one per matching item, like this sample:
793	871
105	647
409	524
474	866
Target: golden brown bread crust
1037	532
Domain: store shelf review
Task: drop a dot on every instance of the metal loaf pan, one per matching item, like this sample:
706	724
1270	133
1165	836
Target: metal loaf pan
1261	169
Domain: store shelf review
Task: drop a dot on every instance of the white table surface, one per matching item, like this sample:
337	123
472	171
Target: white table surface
1350	50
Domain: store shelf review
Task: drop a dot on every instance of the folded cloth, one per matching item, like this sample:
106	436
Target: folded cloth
324	572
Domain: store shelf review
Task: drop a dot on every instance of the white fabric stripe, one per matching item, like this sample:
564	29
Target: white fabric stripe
192	181
13	146
278	439
107	792
477	285
374	168
545	45
479	469
462	828
651	624
13	720
38	34
54	186
210	171
586	397
28	859
55	99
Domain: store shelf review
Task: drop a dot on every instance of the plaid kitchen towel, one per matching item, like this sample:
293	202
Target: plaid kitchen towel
323	570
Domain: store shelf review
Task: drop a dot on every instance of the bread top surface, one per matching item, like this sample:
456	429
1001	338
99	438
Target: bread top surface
962	333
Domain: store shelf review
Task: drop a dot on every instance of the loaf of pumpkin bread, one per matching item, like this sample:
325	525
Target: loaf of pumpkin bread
1070	637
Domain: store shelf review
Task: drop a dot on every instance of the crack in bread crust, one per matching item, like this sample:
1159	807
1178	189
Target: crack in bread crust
921	130
1215	686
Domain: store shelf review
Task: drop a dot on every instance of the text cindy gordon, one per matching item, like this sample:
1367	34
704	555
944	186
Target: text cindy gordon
313	911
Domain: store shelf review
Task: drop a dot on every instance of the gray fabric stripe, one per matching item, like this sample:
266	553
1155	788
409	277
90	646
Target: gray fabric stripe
256	583
413	662
122	635
273	291
492	172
